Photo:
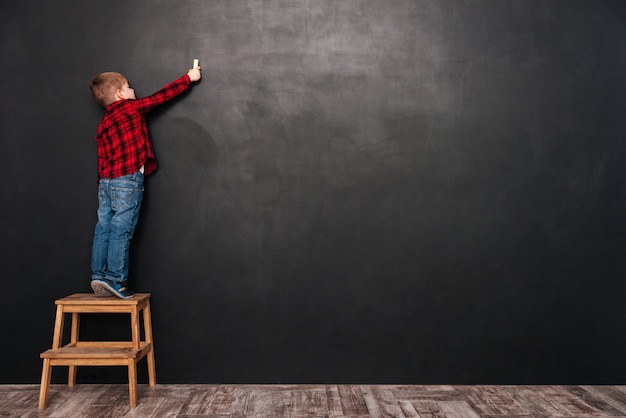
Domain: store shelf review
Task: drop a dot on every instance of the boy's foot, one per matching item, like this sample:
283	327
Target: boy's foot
99	288
106	287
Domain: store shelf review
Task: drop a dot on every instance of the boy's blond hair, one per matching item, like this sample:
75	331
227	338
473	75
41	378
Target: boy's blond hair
104	86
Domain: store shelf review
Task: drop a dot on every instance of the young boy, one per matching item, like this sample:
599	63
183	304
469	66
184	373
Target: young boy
124	156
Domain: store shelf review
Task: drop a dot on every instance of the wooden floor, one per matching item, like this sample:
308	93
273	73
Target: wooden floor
317	401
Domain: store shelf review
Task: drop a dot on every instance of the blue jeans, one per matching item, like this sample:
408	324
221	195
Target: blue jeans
119	201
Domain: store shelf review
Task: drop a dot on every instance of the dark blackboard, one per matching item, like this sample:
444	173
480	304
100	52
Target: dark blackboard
356	191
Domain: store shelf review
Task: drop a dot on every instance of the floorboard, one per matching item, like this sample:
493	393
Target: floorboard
332	401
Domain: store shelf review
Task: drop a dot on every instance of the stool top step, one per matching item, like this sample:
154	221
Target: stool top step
92	299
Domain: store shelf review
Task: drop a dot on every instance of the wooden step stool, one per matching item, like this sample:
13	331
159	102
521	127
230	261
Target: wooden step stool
99	353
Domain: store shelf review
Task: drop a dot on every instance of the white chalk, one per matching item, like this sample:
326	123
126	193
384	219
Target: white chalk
195	63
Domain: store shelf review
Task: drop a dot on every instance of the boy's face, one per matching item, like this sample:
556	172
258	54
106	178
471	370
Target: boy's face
126	92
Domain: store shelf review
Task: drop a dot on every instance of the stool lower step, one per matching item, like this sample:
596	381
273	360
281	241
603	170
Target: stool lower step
89	351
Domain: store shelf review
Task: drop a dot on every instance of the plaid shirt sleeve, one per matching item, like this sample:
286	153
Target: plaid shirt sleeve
123	142
165	94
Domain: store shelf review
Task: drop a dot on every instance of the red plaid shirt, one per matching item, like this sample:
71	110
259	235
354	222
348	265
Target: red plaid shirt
123	142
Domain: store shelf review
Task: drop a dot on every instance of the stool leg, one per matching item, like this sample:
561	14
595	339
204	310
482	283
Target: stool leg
75	327
71	376
134	327
57	339
45	383
132	383
147	327
58	328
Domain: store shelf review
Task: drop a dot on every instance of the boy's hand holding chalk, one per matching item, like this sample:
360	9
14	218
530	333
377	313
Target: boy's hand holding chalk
195	73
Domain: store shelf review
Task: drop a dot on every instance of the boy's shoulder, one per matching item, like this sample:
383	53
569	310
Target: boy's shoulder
120	106
117	112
